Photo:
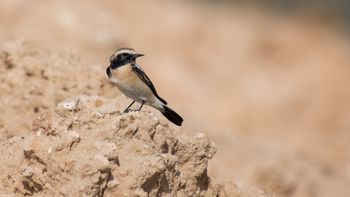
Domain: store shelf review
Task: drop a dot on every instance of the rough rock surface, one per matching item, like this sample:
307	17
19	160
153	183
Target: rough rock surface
89	148
33	81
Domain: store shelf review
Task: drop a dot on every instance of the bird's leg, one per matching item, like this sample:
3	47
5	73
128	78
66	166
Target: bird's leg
128	108
143	102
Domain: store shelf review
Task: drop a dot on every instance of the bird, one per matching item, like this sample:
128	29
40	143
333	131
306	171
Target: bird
133	82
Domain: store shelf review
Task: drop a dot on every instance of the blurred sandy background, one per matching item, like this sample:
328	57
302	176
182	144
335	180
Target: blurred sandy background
268	82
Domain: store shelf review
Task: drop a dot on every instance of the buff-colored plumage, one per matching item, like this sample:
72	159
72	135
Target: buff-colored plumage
130	84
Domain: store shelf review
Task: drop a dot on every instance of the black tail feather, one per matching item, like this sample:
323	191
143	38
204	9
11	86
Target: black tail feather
172	116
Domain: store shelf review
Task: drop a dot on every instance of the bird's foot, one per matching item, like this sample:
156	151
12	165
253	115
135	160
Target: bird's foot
127	111
130	110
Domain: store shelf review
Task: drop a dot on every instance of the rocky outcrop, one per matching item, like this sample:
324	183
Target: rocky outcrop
89	148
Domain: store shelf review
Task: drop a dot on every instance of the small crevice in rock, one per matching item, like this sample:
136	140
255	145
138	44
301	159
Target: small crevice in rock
164	186
31	186
109	178
203	181
151	183
164	148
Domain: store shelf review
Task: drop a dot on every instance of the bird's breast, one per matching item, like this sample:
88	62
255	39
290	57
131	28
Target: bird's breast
123	73
125	76
130	83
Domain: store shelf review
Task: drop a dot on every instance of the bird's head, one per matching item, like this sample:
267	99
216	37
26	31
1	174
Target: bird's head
123	56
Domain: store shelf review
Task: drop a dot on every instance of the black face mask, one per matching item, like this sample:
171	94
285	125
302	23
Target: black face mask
121	60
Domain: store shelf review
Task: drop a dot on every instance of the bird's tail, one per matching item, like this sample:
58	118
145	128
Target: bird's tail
172	116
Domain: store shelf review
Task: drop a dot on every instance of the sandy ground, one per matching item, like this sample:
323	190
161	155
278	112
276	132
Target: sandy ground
270	90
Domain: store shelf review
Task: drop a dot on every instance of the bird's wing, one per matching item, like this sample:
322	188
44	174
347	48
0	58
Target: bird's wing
109	73
139	71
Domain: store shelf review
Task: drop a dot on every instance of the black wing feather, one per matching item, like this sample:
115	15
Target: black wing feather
146	80
109	73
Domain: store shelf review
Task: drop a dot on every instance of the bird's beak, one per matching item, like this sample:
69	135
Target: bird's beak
138	55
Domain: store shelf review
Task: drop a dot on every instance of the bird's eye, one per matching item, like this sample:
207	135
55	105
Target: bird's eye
123	56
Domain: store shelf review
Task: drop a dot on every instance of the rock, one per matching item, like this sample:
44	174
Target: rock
109	108
67	105
72	152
